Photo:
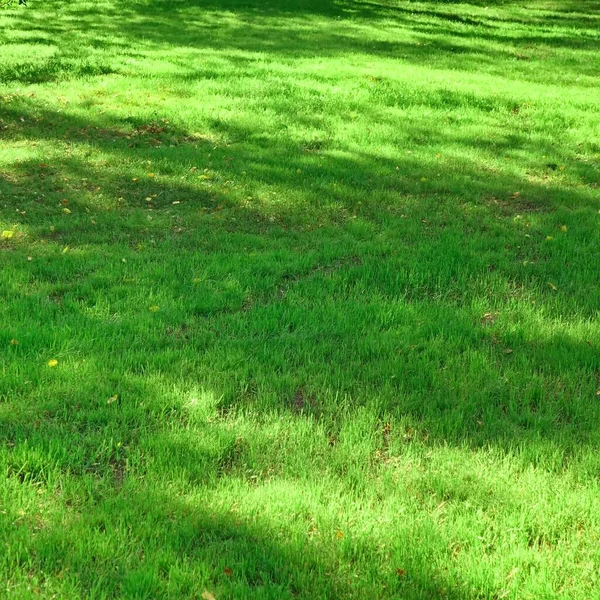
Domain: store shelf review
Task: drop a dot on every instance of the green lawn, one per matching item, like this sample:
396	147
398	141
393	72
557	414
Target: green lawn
300	299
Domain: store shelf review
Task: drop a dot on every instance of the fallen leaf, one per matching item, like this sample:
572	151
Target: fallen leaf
207	595
401	572
14	342
66	211
549	238
489	318
112	399
154	308
598	392
7	234
65	250
552	286
339	535
508	351
52	362
228	572
150	175
135	179
563	228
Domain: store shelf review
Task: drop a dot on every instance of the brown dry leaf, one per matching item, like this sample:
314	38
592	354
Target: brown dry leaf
339	535
207	595
228	572
489	318
401	572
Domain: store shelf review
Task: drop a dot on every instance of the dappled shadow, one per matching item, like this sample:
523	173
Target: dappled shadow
335	197
209	290
187	542
429	36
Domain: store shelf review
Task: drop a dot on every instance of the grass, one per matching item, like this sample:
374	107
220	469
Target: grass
322	284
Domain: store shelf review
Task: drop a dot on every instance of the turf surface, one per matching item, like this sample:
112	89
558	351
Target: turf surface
300	299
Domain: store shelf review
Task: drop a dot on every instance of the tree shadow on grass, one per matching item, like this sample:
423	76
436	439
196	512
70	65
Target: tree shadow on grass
355	292
404	33
237	292
144	543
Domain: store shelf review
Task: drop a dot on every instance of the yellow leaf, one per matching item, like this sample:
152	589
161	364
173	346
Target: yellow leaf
14	342
52	362
7	234
563	228
65	250
150	174
339	535
154	308
112	399
66	210
552	286
207	595
549	238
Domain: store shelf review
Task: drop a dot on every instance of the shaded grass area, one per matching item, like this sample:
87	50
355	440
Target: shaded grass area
321	281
